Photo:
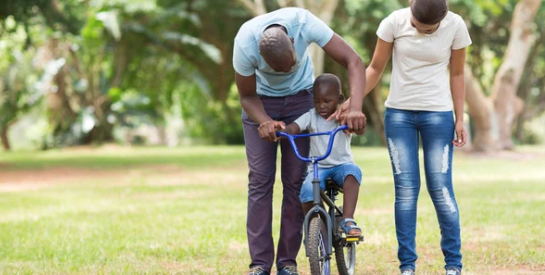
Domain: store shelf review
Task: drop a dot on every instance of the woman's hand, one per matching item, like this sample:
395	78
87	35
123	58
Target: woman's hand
340	114
461	135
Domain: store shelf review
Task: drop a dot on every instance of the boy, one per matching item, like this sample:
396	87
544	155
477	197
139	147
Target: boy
339	165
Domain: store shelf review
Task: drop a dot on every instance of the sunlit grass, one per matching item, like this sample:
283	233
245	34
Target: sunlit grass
183	211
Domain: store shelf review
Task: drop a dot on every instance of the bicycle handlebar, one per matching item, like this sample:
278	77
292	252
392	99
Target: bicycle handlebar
331	134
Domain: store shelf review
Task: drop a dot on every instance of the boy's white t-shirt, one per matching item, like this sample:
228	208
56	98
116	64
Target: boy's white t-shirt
340	154
420	79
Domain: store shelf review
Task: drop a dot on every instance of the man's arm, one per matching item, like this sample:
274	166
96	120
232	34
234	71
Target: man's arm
345	55
360	132
383	52
252	105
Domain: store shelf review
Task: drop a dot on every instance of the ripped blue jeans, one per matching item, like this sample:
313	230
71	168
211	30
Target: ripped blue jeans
404	129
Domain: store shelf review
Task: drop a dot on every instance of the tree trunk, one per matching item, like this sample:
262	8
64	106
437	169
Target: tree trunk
482	113
525	88
4	137
325	11
506	103
494	116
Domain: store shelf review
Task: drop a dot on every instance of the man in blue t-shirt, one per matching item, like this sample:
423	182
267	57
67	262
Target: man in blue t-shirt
274	76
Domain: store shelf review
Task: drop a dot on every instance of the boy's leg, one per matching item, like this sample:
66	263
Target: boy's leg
306	193
306	196
349	177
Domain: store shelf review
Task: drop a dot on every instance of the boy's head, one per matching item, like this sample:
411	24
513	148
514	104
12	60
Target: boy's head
327	94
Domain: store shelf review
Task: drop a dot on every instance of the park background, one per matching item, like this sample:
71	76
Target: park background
122	146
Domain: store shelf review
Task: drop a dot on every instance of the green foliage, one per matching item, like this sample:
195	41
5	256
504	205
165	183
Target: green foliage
210	121
124	64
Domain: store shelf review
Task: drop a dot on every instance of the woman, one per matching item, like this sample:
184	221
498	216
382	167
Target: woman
426	41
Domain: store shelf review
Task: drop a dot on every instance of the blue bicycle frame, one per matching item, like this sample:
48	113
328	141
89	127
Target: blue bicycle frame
316	181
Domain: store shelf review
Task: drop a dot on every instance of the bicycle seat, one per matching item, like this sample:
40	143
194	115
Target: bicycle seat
330	184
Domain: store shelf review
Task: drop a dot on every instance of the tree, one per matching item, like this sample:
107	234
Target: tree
494	116
532	87
16	96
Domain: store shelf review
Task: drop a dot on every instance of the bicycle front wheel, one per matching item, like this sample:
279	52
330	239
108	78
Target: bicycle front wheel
317	246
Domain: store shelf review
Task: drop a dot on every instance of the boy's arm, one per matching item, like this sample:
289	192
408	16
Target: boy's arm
300	124
292	129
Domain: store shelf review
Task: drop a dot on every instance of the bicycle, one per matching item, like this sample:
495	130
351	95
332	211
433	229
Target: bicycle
319	244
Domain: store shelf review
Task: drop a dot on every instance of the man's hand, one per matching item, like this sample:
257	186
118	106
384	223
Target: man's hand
356	122
461	135
340	114
267	130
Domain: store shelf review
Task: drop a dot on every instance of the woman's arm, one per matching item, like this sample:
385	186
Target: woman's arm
457	88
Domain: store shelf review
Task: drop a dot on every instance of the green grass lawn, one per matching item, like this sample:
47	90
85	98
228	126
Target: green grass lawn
183	211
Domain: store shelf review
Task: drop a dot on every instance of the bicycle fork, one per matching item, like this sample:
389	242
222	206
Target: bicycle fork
319	210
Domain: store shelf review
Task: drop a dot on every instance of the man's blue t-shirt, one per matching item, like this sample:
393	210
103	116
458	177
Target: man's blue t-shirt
304	27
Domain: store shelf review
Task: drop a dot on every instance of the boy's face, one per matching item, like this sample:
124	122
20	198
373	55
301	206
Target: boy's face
326	101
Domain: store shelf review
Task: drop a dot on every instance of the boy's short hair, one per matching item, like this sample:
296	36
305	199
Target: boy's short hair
328	79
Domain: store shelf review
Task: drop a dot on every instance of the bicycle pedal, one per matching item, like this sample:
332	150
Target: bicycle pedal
354	239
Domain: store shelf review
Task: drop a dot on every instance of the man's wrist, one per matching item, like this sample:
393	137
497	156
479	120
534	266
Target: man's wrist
355	109
264	120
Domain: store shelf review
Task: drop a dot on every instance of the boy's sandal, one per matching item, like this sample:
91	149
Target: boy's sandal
347	228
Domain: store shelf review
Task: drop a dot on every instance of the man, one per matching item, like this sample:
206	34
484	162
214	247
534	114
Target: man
274	76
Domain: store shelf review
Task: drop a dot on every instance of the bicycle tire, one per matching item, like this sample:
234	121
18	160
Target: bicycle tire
317	243
345	256
345	259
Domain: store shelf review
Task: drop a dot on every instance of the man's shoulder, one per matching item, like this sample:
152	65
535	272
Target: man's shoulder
246	34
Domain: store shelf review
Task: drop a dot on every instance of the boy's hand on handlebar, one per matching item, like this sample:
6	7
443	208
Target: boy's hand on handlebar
267	130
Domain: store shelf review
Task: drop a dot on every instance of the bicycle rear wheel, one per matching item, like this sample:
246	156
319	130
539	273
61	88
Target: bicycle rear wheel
317	246
345	255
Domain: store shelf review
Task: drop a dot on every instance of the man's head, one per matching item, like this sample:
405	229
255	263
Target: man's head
277	49
427	14
327	94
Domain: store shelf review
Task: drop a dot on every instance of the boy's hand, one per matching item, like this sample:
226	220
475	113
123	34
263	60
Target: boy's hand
267	130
